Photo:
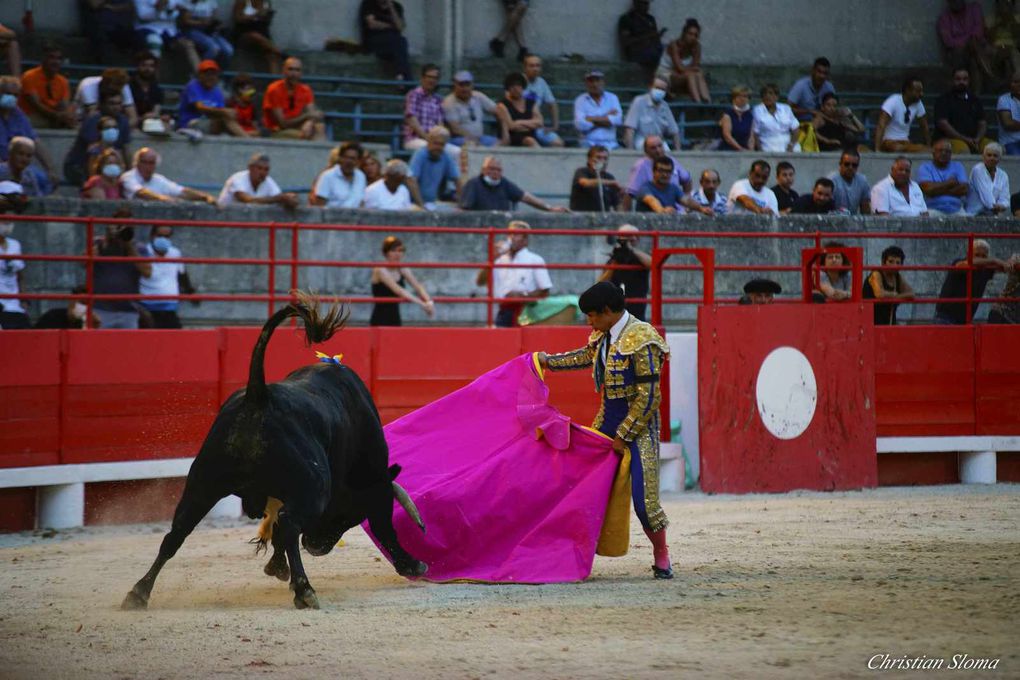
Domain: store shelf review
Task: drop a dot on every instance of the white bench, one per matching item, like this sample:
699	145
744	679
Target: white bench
977	453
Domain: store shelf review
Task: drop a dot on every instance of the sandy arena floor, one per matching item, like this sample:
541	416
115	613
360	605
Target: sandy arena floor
801	585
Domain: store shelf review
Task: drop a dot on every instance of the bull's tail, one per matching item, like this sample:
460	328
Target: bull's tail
319	327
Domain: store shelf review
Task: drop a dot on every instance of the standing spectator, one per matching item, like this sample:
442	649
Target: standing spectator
390	192
943	180
680	64
143	183
708	195
91	89
750	195
1008	311
106	128
433	170
288	106
955	285
382	33
851	191
242	100
255	186
515	11
156	27
640	36
662	195
148	95
649	114
785	195
491	191
524	282
46	94
14	123
203	106
593	189
959	116
736	124
252	19
818	202
104	184
836	127
11	49
888	284
517	115
389	281
775	126
897	195
20	151
540	91
1002	32
899	111
832	283
1008	111
988	193
12	314
201	26
423	110
961	29
371	166
108	22
597	112
641	171
464	111
342	185
165	278
805	97
633	282
117	277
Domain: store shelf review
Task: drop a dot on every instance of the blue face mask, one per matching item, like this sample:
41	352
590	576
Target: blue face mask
161	244
110	135
8	101
111	170
658	95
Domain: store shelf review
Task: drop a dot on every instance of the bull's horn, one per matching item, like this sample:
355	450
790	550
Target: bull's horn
407	504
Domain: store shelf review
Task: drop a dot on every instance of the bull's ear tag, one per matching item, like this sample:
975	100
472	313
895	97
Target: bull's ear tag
327	359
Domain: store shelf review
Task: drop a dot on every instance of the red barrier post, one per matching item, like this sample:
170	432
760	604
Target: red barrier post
704	256
272	267
90	235
808	258
970	278
490	286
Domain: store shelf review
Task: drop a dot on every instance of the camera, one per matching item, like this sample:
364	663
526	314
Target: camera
126	234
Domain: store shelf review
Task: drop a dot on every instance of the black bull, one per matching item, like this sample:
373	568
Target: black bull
314	442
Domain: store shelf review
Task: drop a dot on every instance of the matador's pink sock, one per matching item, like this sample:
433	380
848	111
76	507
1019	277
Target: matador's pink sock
659	548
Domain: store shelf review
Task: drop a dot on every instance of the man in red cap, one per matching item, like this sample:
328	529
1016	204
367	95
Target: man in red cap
288	106
203	108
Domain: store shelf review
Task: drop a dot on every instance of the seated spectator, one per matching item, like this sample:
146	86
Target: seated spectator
775	127
342	185
148	95
640	36
760	292
289	109
242	100
203	106
156	28
252	19
90	89
143	183
389	281
680	64
750	195
518	116
736	124
72	315
523	282
899	112
662	195
943	180
11	198
888	284
832	283
464	110
1008	310
593	189
200	25
255	186
20	151
818	202
12	314
897	195
959	116
961	29
14	123
390	192
1008	111
112	277
597	113
434	171
109	138
371	166
106	128
955	285
382	34
836	127
807	94
988	192
851	192
46	94
104	184
641	171
633	282
649	114
491	191
165	278
1002	57
708	195
423	110
11	49
515	11
105	23
785	195
540	91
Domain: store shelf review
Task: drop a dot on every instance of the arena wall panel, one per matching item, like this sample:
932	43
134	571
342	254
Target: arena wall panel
30	398
572	392
997	380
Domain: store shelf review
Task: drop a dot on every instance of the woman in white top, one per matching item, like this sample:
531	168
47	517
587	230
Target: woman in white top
680	64
775	126
988	189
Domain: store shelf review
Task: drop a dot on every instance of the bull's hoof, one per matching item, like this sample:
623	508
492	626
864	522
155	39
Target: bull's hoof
134	600
306	600
277	568
412	568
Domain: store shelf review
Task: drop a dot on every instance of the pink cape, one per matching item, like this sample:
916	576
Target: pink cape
509	489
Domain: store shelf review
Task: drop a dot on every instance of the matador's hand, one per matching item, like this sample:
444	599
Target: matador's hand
619	445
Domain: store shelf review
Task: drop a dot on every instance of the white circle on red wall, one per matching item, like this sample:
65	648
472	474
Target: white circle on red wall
787	393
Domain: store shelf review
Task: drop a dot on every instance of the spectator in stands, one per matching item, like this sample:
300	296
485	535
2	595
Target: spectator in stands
886	285
751	195
117	278
760	292
148	95
464	110
775	127
641	171
371	166
200	25
143	183
20	151
649	114
633	282
70	316
1008	111
14	123
785	195
959	116
165	278
518	116
640	36
851	191
540	91
11	49
961	29
662	195
593	189
897	195
836	127
597	112
388	282
1008	311
108	22
818	202
988	193
680	64
203	106
91	89
806	95
519	282
252	19
255	186
242	100
491	191
736	124
382	34
515	11
156	28
104	184
899	111
423	110
12	314
708	194
434	171
955	285
342	185
46	94
106	128
390	192
1003	31
289	109
832	283
943	180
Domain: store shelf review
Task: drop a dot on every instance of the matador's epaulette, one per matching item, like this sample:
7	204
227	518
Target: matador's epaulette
637	335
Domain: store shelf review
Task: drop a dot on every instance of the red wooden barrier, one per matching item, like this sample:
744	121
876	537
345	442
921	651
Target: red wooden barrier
997	380
572	392
30	398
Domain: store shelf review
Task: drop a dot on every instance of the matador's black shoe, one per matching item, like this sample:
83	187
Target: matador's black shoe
666	573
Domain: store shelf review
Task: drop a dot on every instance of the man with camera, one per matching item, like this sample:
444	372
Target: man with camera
117	278
634	282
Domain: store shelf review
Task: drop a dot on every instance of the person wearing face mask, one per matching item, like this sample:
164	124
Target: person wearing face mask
12	314
166	278
70	316
14	123
16	169
105	180
649	114
491	191
736	124
107	128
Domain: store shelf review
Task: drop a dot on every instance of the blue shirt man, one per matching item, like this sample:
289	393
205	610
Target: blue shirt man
433	168
805	97
597	113
196	92
942	169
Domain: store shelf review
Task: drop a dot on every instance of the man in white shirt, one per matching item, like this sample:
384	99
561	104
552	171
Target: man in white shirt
12	314
254	185
87	94
165	278
708	194
597	113
988	189
390	192
899	111
343	185
1007	109
750	195
143	183
897	195
519	283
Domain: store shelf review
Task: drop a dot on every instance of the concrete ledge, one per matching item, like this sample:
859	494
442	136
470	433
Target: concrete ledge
937	444
52	475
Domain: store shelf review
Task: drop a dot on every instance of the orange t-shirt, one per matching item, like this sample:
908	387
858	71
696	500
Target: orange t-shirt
278	97
50	92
